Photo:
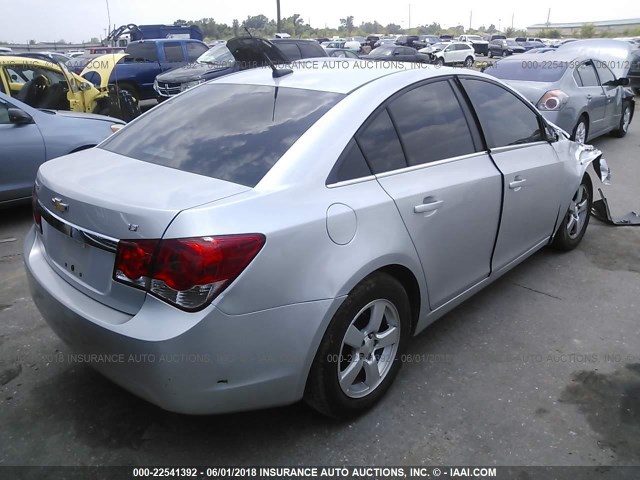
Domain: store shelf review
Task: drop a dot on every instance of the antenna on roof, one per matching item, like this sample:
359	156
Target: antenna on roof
276	72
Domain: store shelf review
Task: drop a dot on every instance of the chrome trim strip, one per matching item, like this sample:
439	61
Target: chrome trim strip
430	164
508	148
83	235
344	183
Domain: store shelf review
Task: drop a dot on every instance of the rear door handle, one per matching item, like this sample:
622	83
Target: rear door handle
517	183
429	205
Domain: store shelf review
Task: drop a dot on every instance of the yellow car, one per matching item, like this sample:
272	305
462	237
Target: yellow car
43	84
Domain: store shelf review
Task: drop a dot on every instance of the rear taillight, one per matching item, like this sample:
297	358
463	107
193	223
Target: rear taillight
37	217
553	100
185	272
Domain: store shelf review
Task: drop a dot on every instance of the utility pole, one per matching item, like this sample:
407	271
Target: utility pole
470	19
278	20
548	16
512	15
409	16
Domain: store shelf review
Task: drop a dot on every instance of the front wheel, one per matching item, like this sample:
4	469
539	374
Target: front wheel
360	353
490	54
625	121
468	63
575	222
440	62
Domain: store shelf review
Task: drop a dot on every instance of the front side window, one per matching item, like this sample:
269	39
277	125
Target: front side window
606	75
505	119
195	50
380	144
230	132
431	124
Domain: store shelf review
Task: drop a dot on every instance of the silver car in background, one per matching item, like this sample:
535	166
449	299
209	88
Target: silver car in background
580	93
263	238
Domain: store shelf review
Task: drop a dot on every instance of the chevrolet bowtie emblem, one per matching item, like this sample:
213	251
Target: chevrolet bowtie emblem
58	205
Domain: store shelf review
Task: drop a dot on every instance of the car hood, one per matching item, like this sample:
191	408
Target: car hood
479	42
616	53
532	91
190	72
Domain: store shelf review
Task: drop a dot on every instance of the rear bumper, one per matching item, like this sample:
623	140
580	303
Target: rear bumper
216	364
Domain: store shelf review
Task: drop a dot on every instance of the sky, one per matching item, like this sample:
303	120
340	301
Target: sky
79	20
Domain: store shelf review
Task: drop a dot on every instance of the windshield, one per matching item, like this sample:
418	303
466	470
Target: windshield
218	55
440	46
382	51
474	37
513	43
230	132
528	71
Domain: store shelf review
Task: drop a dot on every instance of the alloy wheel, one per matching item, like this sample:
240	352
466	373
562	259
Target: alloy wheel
369	348
581	132
577	212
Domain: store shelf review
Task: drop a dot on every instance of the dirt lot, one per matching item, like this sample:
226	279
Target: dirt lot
540	368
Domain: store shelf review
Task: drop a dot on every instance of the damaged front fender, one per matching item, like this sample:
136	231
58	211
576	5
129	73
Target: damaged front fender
588	154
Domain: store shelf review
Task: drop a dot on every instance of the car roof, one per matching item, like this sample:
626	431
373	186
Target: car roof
327	74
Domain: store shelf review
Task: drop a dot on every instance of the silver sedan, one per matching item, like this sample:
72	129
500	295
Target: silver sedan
264	238
581	94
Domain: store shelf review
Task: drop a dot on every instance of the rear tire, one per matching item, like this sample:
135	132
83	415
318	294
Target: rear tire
360	353
625	121
580	132
490	54
575	222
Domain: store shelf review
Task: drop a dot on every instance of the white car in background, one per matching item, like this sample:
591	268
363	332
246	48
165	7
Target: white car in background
451	53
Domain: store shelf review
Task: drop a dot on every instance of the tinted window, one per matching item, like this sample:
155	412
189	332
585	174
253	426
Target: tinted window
576	77
530	71
194	50
431	124
604	73
309	50
142	52
350	165
291	50
4	113
588	75
173	52
380	144
231	132
505	119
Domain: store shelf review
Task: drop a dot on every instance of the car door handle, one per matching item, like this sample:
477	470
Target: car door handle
429	205
517	183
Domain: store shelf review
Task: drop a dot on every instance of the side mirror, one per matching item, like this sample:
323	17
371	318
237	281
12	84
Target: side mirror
19	117
623	82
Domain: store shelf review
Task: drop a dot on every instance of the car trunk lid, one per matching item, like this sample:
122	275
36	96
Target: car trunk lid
92	199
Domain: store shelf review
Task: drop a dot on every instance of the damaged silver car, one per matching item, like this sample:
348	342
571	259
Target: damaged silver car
293	229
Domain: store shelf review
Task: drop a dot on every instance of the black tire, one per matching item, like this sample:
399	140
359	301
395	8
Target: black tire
564	240
582	120
623	127
131	89
490	54
440	62
468	62
323	391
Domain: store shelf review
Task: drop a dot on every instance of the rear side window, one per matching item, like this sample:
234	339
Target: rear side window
231	132
291	50
431	124
142	52
380	144
505	119
350	165
173	52
588	75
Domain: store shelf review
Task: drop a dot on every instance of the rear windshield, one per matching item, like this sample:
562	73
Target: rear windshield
527	70
230	132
